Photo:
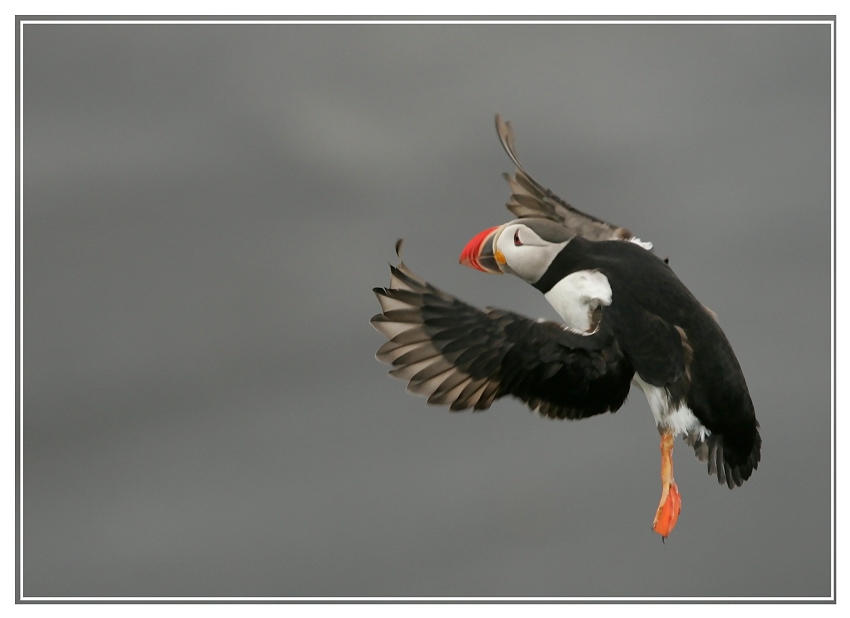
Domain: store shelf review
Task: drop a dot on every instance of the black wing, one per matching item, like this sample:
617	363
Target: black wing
463	357
658	350
531	199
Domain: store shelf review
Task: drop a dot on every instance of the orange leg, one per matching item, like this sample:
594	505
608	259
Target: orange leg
671	503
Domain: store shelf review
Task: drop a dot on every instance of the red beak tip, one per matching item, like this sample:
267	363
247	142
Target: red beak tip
473	249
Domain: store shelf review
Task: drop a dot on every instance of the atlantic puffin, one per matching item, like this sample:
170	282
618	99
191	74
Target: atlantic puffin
627	319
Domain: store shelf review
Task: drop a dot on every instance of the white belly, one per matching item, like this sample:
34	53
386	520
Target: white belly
678	419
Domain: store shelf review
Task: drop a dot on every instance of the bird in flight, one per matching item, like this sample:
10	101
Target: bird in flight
627	319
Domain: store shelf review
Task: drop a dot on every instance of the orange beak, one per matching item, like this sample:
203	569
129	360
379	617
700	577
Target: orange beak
479	254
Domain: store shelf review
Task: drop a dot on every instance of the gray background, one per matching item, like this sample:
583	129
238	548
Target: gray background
206	210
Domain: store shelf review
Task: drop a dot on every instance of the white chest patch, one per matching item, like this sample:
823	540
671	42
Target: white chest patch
680	420
576	296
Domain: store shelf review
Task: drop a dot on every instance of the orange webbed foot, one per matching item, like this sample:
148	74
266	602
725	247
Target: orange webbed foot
668	511
671	502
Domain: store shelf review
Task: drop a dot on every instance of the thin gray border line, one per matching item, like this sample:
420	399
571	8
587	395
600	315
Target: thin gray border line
414	601
18	315
384	18
833	317
177	20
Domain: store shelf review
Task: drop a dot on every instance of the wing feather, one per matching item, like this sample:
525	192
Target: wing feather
531	199
464	357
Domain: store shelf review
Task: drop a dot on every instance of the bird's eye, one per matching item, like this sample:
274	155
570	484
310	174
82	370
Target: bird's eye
517	241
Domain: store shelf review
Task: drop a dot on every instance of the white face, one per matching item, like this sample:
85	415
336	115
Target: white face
525	254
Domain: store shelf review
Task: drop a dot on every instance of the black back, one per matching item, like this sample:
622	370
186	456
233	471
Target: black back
672	340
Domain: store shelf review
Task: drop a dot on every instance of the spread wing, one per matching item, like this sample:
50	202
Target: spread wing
464	357
531	199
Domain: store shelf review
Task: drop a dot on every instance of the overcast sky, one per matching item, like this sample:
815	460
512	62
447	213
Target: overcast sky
206	210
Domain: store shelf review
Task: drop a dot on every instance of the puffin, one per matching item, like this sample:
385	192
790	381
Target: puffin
626	319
